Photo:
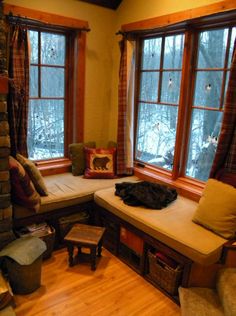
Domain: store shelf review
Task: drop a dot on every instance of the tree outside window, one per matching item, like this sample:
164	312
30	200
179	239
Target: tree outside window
159	102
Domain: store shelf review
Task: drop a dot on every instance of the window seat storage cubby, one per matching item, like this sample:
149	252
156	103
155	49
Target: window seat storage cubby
163	274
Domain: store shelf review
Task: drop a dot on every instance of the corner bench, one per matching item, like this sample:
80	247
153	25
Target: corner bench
198	251
131	232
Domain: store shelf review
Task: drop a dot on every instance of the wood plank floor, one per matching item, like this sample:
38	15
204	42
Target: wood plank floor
113	289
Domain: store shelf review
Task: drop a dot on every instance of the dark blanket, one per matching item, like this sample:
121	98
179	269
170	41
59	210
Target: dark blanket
151	195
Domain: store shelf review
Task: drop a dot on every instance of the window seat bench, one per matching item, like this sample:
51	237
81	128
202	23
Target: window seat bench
134	232
172	225
67	194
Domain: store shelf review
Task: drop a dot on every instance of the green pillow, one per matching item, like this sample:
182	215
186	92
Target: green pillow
217	209
34	174
77	156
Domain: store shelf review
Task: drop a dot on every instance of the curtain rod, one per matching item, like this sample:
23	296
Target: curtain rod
33	22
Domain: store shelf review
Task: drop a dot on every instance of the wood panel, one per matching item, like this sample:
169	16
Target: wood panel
181	16
3	84
45	17
113	289
131	240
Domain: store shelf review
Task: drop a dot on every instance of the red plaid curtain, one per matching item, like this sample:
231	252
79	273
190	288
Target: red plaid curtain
18	89
124	142
224	165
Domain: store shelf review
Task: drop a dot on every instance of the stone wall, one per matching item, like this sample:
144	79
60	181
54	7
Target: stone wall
5	190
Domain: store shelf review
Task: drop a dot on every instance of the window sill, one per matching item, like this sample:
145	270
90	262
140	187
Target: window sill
54	166
184	186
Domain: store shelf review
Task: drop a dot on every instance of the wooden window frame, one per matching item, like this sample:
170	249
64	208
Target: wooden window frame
208	17
74	118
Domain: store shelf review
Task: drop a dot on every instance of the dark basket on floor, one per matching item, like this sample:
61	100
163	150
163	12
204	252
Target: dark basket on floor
163	275
24	279
67	222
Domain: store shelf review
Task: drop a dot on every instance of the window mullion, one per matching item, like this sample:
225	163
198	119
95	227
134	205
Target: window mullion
185	104
222	94
39	62
161	70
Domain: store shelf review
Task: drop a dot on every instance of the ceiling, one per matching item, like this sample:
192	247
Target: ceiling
111	4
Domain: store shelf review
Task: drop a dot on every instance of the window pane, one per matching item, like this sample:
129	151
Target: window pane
52	81
233	36
205	129
173	52
156	132
170	87
149	85
33	36
151	53
46	129
208	88
211	50
33	91
53	49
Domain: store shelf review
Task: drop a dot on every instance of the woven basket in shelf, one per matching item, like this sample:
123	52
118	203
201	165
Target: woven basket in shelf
163	275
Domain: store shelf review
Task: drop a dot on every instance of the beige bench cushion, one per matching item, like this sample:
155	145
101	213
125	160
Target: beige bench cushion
172	225
66	190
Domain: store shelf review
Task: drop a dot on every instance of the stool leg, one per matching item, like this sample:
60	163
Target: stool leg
70	249
79	250
100	248
93	258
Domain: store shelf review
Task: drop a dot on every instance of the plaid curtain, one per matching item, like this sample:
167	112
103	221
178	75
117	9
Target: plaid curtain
224	165
125	109
18	89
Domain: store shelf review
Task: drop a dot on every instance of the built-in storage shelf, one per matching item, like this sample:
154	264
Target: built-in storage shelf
134	246
130	257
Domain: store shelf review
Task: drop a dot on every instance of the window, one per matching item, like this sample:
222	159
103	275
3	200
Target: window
47	104
182	83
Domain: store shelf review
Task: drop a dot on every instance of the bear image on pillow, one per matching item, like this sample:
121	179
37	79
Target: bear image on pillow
100	163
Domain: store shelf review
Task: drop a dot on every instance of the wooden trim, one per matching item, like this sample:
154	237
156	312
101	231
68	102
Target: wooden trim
182	110
55	166
80	87
181	16
45	17
185	186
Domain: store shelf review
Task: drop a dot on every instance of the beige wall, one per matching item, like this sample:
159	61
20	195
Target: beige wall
98	61
102	62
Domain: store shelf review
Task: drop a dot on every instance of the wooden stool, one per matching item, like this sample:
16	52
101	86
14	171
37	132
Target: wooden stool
86	236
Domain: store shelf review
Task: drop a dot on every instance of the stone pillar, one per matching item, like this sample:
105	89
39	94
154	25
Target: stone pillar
5	190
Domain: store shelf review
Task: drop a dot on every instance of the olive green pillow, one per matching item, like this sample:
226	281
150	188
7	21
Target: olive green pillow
34	174
217	209
77	156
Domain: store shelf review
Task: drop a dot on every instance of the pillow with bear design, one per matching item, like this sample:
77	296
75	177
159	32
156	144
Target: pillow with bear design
100	163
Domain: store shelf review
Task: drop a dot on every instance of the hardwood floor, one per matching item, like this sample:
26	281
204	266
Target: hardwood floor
113	289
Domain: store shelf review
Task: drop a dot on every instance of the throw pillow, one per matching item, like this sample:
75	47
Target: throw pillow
217	209
100	163
34	174
22	188
77	156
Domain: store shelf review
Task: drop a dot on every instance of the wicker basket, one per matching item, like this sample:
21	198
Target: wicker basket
47	234
163	275
67	222
49	239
